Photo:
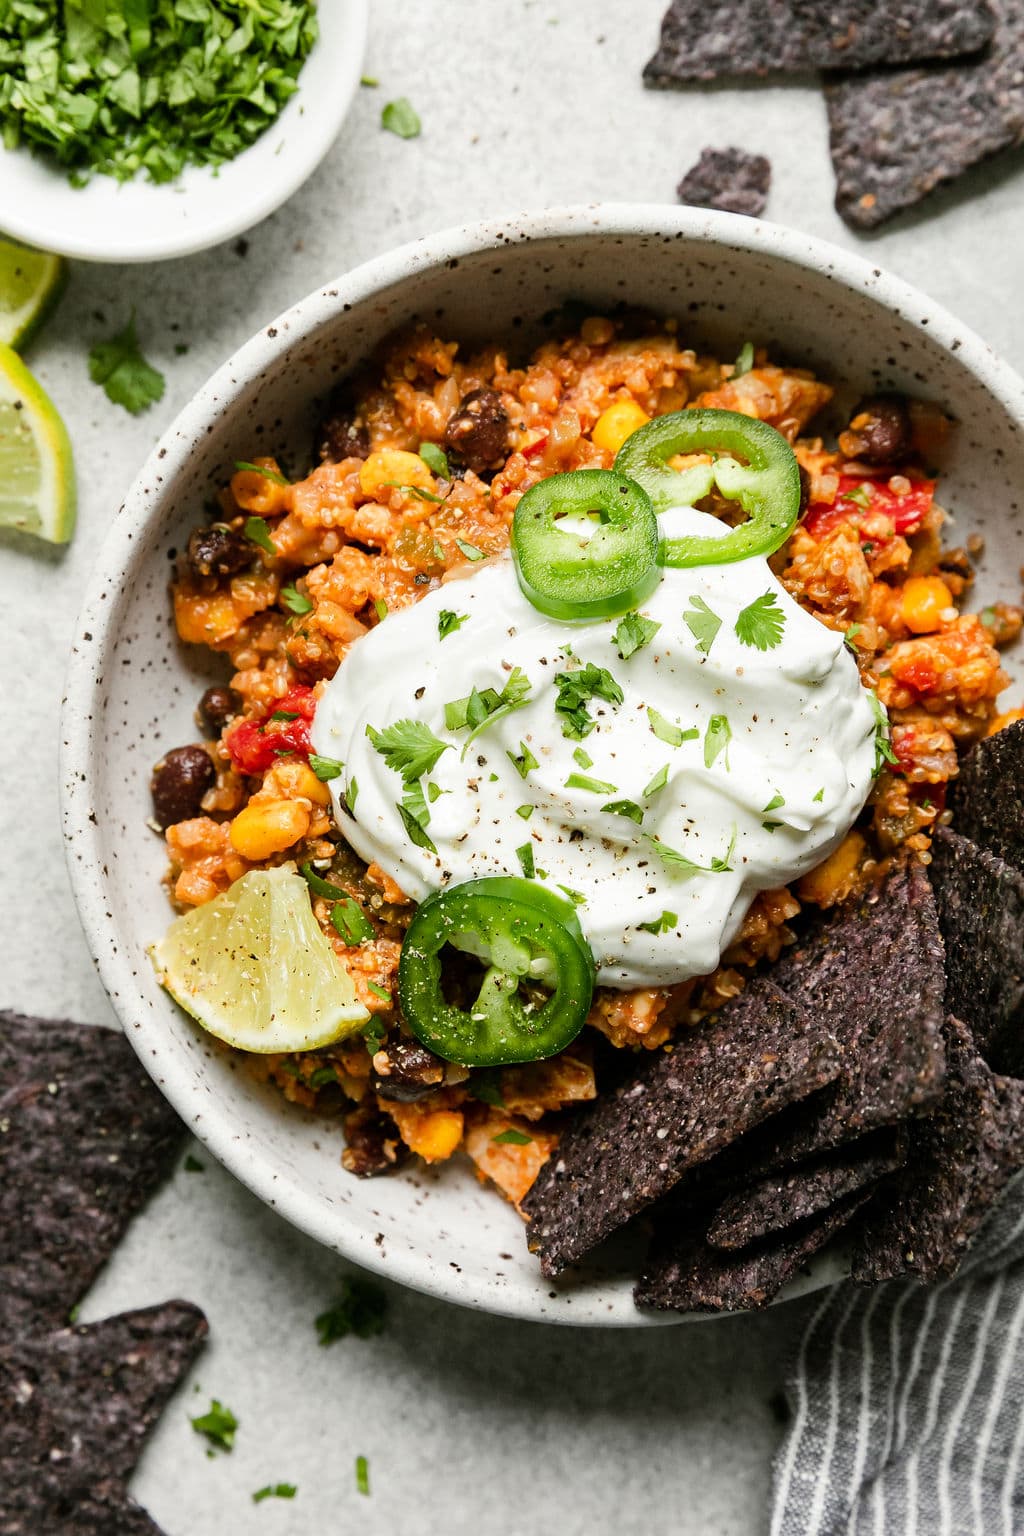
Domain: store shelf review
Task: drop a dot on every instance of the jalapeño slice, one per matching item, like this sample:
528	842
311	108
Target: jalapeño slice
751	463
604	562
538	978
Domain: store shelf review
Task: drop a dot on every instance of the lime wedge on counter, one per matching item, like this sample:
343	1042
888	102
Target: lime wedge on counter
37	472
253	967
31	282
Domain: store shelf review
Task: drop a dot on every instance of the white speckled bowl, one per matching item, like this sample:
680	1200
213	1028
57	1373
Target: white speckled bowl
132	688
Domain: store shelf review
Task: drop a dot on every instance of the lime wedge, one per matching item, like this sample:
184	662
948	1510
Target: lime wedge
31	282
253	967
37	472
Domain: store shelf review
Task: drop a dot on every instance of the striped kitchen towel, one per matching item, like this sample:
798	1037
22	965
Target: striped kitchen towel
908	1403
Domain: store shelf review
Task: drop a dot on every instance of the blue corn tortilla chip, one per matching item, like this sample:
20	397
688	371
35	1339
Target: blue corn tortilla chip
77	1405
677	1109
729	179
987	798
684	1273
715	39
922	1219
86	1138
873	974
981	912
897	135
781	1200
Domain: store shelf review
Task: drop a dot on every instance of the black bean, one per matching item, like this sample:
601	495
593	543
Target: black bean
180	780
374	1145
217	706
342	434
218	551
410	1072
478	432
805	489
887	435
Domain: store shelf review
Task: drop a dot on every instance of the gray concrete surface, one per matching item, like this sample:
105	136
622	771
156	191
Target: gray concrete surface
472	1425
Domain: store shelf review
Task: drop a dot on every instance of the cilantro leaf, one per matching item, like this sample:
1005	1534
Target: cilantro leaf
523	761
575	690
485	1085
883	735
350	922
470	550
483	706
325	767
633	633
576	897
819	797
360	1309
525	811
592	786
295	600
761	622
258	469
702	623
513	1138
409	747
415	829
671	735
745	361
657	783
418	492
448	622
849	636
679	864
257	531
582	758
625	808
435	459
525	856
379	991
717	739
218	1424
401	117
126	377
661	924
774	803
275	1491
363	1476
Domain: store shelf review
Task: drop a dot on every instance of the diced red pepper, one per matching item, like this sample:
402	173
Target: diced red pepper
858	498
256	744
532	449
903	748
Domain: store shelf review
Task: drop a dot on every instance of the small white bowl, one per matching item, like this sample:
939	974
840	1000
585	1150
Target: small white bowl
140	221
132	688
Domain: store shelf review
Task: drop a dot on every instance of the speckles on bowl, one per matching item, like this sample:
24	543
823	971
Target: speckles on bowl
727	279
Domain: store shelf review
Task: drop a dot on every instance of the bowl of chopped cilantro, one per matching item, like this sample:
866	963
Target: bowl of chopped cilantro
138	133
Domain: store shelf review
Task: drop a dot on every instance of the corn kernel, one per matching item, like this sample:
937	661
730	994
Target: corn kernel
617	423
924	600
289	779
834	880
432	1134
268	827
388	467
1002	721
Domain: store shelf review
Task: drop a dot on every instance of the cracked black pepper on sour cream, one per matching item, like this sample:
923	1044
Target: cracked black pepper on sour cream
659	773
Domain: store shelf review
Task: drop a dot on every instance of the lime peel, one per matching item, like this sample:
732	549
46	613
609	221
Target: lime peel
254	968
31	283
37	474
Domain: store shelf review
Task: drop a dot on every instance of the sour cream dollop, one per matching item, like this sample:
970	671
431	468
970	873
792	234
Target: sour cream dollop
776	759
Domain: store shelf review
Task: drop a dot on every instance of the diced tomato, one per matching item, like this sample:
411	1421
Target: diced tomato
919	674
532	449
255	744
858	498
903	748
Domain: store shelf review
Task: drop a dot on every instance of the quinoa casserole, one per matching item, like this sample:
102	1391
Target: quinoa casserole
419	466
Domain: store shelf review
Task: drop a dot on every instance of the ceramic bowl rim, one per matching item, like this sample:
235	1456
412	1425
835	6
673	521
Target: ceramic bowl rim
294	327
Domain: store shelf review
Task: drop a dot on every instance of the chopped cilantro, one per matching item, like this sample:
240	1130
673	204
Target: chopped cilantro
360	1309
295	600
486	1086
678	862
275	1491
320	1077
761	622
525	856
370	81
379	991
592	786
625	808
415	829
525	811
513	1138
434	792
883	738
483	707
119	88
363	1476
402	118
435	459
284	714
470	550
409	747
350	795
849	635
860	495
380	608
448	622
374	1033
257	531
745	361
417	492
662	924
325	767
126	377
582	759
576	897
575	690
672	735
193	1165
524	761
717	739
633	633
258	469
819	797
658	782
774	803
702	623
218	1424
350	922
